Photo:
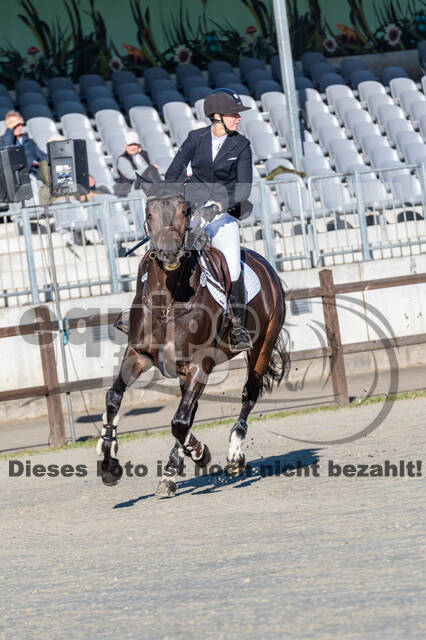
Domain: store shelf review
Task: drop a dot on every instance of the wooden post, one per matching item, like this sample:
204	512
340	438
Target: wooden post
331	319
50	375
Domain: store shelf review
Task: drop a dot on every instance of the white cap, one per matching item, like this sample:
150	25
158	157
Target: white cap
131	137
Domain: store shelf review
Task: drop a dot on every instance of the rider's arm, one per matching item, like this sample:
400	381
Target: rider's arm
177	170
244	175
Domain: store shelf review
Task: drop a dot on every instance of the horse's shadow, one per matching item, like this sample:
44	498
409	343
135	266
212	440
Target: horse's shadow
292	463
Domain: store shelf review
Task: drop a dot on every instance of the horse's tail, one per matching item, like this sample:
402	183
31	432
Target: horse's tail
278	365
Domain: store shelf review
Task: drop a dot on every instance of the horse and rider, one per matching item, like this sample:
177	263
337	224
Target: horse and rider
176	323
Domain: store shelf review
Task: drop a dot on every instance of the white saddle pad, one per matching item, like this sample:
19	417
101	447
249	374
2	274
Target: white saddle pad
251	283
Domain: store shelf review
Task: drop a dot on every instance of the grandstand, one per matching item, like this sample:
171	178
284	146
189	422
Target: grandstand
362	194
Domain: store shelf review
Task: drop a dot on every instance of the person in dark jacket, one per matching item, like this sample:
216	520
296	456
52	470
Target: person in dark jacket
221	165
133	167
14	136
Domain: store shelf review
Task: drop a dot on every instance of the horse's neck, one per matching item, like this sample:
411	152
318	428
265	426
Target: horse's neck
178	284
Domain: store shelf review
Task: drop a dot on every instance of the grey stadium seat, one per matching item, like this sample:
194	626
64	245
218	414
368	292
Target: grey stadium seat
328	134
368	88
376	100
408	99
361	129
336	91
271	98
418	109
139	113
338	145
257	127
405	138
276	112
415	153
314	107
345	160
144	127
343	105
388	112
265	145
353	116
293	194
369	143
320	120
175	109
315	165
41	129
393	127
381	156
399	85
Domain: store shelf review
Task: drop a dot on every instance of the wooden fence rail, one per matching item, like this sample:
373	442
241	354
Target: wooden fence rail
335	351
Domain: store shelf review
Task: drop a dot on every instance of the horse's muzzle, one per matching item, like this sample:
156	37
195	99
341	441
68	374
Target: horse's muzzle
170	259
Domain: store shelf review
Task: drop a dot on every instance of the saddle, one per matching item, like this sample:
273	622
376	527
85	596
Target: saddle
217	267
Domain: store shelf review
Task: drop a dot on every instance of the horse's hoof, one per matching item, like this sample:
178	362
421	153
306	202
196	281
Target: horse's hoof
111	475
205	458
166	489
236	467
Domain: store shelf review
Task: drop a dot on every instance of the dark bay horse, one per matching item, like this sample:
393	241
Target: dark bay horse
176	325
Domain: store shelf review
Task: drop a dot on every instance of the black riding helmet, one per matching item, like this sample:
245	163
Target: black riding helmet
224	102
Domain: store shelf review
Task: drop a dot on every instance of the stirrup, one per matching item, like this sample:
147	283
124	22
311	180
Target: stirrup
240	339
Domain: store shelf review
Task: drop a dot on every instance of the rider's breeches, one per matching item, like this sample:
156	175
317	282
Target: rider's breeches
224	233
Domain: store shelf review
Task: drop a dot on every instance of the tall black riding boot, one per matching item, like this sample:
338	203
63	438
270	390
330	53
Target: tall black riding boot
240	337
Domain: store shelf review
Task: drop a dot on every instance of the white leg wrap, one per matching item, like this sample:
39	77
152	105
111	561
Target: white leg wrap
235	447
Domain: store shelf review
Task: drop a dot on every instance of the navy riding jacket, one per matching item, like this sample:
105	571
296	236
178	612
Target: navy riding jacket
227	179
32	151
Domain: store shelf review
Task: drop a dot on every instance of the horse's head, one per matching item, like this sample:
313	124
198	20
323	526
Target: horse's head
167	222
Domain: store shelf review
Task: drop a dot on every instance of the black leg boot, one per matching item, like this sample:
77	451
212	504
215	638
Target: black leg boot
240	337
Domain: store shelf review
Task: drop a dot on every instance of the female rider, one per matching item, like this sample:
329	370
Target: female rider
221	166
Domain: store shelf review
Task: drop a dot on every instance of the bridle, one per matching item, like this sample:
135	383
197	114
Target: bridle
156	251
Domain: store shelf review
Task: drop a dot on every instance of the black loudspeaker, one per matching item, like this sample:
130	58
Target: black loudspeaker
15	185
68	167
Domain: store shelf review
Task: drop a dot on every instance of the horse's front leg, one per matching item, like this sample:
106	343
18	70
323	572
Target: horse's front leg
191	389
132	365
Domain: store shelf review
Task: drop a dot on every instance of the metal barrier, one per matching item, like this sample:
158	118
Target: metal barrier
337	218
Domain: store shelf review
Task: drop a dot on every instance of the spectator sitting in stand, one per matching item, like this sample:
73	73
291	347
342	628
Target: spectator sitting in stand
13	136
94	190
133	167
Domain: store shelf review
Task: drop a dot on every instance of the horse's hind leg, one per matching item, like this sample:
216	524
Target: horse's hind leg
132	365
